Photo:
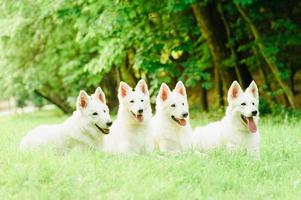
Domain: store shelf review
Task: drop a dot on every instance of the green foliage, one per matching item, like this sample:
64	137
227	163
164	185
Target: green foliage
55	48
244	2
72	45
38	101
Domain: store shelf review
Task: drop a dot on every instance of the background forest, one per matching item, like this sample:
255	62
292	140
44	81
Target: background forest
50	49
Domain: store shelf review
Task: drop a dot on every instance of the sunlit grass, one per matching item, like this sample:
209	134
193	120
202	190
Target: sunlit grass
87	174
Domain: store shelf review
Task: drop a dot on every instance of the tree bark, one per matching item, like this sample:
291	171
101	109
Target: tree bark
214	32
126	71
204	101
292	78
270	98
110	84
271	64
243	75
232	50
56	100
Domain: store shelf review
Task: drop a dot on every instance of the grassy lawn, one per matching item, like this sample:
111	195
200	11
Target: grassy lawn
88	174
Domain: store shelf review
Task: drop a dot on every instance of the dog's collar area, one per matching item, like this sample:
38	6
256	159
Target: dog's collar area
103	130
181	122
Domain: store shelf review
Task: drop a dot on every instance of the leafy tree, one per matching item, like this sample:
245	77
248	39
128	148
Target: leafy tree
55	48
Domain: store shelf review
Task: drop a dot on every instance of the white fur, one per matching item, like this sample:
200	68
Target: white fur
77	130
231	132
128	134
169	136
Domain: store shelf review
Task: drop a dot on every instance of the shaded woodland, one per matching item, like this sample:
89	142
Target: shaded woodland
51	49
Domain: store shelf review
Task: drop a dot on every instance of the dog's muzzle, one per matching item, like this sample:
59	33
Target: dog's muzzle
250	123
139	117
103	130
181	122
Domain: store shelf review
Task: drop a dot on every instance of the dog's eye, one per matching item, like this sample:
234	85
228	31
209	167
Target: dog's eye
243	104
142	100
131	101
104	111
253	103
173	105
183	104
95	113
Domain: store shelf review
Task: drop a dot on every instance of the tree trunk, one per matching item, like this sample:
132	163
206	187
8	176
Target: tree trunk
214	32
243	75
126	69
204	101
110	84
126	73
292	78
118	77
271	64
232	50
56	100
247	78
270	98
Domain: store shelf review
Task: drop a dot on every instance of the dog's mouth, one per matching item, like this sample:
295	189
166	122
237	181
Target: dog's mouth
181	122
103	130
138	117
250	123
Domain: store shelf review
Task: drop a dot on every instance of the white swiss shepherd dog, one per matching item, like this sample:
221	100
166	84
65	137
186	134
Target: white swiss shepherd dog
131	131
85	128
171	128
238	129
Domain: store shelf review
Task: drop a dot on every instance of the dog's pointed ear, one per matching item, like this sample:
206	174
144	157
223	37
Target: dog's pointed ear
234	91
253	89
180	88
100	95
142	86
164	92
82	100
124	89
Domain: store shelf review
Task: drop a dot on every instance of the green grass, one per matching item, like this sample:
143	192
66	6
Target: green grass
87	174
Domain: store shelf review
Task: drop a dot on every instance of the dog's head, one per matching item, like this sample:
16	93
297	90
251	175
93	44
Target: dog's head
94	110
244	105
135	103
173	104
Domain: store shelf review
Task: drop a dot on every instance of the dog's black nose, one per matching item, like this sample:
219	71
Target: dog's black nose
109	123
185	114
254	113
140	111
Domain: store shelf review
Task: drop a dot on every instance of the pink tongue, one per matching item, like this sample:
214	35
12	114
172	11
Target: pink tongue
182	122
251	125
140	118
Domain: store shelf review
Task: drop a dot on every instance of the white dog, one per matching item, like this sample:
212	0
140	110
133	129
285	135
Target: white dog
130	132
86	127
238	128
171	127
